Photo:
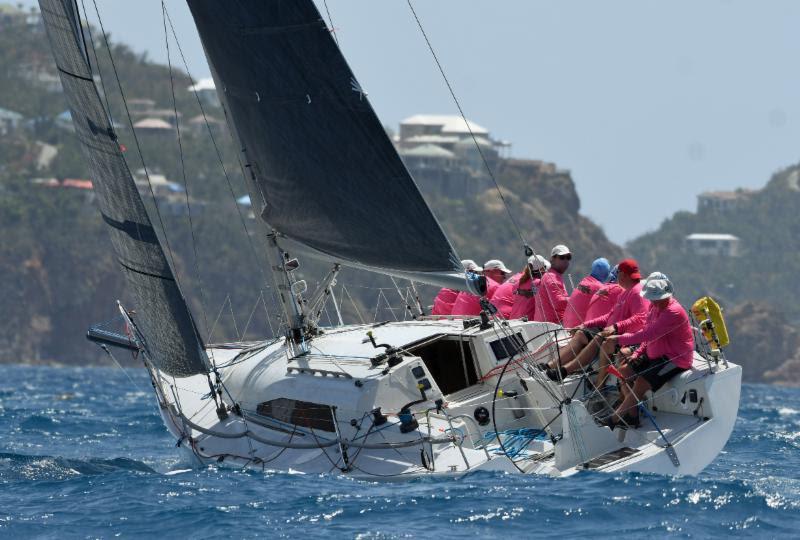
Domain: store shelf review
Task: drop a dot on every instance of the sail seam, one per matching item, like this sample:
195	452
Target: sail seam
142	272
267	30
74	75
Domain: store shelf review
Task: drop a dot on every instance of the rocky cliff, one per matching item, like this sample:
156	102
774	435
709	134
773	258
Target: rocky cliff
58	269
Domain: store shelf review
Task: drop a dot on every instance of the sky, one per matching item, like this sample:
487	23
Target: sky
647	103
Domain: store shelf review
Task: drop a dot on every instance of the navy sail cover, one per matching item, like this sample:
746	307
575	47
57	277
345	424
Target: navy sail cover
162	314
323	171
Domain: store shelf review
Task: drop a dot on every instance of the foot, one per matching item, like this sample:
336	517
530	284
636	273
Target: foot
542	366
609	422
629	421
556	374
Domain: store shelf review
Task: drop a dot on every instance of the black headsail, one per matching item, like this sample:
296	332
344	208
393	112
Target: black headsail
163	318
324	172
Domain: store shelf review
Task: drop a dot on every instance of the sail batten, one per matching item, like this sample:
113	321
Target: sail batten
162	316
324	172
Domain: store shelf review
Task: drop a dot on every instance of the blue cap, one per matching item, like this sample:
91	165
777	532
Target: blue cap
600	269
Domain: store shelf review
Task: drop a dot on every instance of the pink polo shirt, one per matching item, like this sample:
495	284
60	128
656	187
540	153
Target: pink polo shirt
578	303
603	301
468	304
443	303
525	300
666	332
503	298
629	312
552	298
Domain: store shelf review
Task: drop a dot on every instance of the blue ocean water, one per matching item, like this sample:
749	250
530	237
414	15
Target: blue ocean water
83	454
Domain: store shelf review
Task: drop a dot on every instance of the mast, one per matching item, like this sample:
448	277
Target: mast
288	288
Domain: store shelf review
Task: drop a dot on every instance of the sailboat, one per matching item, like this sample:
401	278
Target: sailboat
418	398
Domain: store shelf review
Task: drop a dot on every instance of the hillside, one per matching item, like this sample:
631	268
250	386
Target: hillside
757	285
59	272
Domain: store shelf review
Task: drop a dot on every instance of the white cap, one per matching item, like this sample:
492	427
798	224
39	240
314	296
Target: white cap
537	262
470	265
495	264
657	289
560	249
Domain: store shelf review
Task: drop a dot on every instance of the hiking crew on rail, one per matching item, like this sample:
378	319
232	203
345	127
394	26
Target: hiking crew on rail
612	315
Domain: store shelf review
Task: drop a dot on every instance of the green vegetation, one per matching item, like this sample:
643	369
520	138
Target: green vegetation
58	267
767	226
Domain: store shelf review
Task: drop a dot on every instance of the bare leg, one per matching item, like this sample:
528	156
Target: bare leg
570	350
585	357
628	406
606	352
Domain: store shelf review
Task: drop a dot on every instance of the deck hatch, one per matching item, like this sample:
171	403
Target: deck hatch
611	457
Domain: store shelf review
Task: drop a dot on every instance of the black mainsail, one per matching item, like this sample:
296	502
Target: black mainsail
163	318
323	171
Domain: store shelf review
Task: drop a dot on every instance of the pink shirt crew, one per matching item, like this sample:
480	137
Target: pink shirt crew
666	332
603	300
503	298
468	304
525	300
552	298
578	303
629	312
443	303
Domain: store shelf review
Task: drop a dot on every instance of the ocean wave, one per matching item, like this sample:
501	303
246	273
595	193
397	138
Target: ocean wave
51	435
27	468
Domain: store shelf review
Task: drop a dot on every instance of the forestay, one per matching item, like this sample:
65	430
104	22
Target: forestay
323	171
162	315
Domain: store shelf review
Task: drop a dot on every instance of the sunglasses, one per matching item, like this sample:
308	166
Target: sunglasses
567	257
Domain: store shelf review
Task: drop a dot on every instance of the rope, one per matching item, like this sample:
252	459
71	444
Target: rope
525	245
516	440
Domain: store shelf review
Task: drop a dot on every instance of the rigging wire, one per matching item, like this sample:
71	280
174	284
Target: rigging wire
330	22
171	258
96	61
135	138
525	245
218	153
183	171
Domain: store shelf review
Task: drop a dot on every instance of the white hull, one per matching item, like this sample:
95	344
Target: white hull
312	413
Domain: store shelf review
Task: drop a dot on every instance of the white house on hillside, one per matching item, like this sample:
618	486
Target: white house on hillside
715	245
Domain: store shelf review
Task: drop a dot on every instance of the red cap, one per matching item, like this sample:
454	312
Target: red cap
631	268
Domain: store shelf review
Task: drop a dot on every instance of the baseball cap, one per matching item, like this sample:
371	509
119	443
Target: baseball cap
560	249
630	267
495	264
657	289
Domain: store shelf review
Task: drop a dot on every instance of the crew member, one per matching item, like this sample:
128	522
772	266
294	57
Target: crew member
605	298
552	297
525	293
628	315
578	303
443	303
666	349
495	273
